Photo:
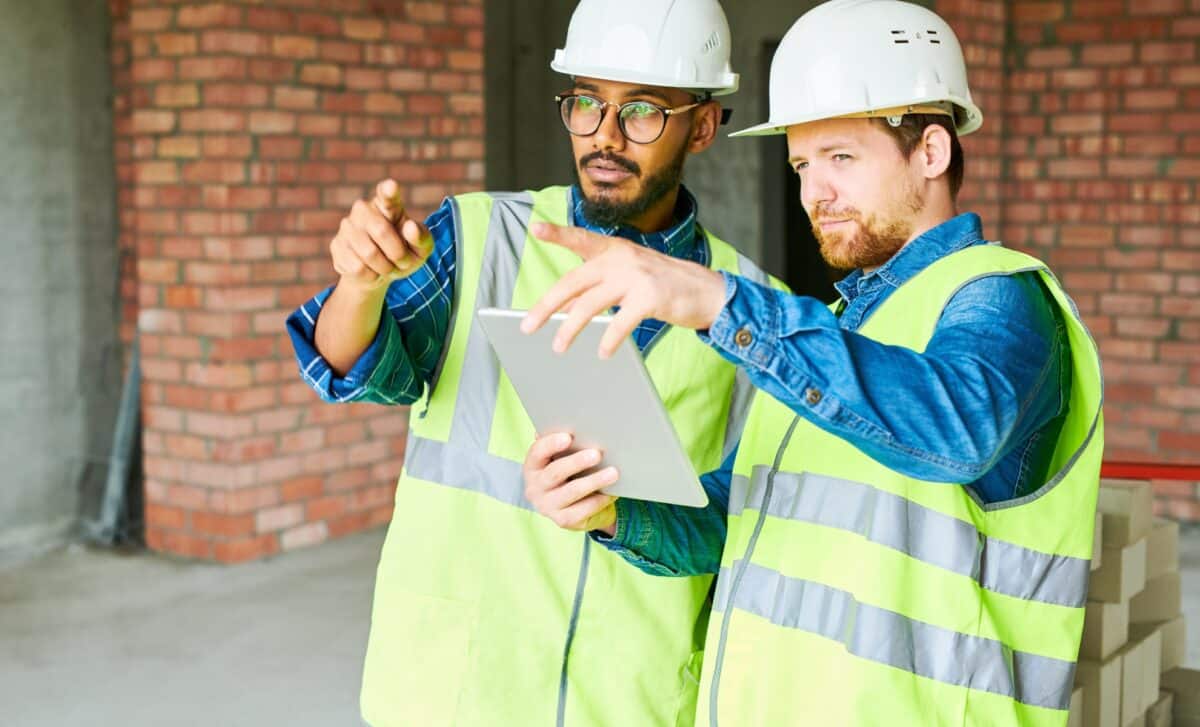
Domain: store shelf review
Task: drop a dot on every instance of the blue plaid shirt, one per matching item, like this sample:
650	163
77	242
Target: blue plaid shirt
401	360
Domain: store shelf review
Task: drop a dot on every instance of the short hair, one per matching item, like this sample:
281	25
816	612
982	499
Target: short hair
911	130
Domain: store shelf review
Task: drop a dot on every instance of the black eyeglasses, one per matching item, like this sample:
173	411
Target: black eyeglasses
641	122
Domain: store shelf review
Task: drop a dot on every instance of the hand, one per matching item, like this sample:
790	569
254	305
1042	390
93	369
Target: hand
644	283
378	242
553	485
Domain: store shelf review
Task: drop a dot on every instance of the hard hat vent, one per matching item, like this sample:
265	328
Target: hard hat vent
713	43
902	37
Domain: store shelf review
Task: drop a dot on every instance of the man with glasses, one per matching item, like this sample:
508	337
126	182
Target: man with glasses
485	613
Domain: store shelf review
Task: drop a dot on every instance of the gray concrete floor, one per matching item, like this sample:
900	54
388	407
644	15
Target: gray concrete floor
89	638
92	638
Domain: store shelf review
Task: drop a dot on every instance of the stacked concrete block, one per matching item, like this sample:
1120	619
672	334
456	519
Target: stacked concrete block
1133	629
1134	633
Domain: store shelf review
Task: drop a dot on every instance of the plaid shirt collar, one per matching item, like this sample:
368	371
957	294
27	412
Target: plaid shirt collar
679	241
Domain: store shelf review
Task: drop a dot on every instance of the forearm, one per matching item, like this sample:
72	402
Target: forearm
670	540
348	323
944	414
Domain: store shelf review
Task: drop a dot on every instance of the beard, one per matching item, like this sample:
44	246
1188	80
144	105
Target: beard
878	236
601	207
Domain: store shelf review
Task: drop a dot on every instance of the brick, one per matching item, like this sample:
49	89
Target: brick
212	120
294	46
363	28
209	16
1107	54
150	19
1168	53
183	147
314	24
153	122
340	52
321	74
287	97
241	550
272	122
175	44
1158	7
301	488
1153	328
473	60
305	536
1036	58
270	19
234	41
212	68
351	523
1080	32
162	517
148	70
279	518
1152	99
236	94
272	70
325	508
208	523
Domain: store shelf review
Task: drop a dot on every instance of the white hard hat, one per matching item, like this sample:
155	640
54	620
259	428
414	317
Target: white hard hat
674	43
868	58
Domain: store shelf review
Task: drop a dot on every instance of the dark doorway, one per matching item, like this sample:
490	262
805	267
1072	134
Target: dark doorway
791	250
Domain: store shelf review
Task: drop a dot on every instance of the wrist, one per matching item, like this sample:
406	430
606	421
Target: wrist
714	297
360	293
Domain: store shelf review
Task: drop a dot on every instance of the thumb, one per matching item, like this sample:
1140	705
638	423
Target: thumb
388	201
583	243
417	236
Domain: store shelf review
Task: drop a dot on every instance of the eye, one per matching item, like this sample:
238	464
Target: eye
842	157
640	111
800	166
586	103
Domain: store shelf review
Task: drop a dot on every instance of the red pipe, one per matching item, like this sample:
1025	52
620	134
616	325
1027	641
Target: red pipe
1148	471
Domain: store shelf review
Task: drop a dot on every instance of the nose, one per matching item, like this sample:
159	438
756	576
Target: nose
609	137
816	189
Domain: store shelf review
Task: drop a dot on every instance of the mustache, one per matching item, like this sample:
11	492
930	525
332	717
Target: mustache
823	212
627	164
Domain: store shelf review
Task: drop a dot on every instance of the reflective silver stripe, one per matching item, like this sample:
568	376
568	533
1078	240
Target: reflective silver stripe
466	468
747	269
714	693
886	637
464	462
576	605
927	535
741	397
479	381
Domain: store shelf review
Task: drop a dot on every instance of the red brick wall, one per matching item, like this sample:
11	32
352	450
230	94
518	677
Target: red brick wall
245	131
1101	147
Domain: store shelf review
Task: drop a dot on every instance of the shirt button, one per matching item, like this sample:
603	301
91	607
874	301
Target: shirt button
743	337
813	396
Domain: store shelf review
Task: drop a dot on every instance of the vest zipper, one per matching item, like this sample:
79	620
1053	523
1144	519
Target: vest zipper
737	577
575	607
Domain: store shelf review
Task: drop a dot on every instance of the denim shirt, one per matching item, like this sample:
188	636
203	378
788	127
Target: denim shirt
981	407
400	361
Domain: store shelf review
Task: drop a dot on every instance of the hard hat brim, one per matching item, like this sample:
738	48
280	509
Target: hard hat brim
720	87
775	128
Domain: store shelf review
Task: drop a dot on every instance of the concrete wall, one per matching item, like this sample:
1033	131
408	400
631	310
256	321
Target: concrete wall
60	368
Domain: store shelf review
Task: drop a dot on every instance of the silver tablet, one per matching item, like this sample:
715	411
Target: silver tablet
610	405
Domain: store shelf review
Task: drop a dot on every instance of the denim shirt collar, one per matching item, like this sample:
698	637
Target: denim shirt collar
950	236
679	240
